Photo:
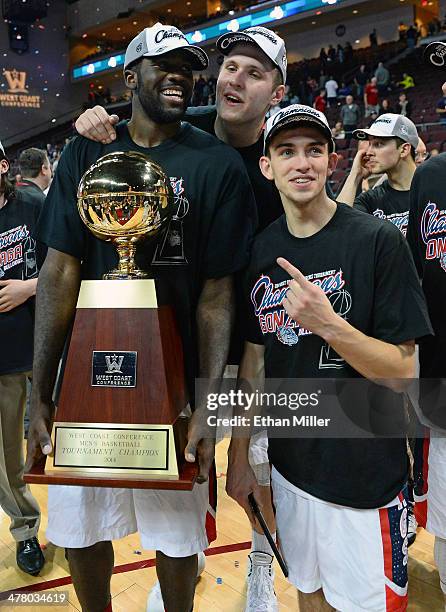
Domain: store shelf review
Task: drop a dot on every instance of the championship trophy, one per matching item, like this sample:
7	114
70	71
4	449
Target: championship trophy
118	420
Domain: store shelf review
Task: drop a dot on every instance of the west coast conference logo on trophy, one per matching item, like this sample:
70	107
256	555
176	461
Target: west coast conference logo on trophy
117	421
117	370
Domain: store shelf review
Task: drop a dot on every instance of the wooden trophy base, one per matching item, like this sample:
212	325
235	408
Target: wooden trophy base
185	482
119	419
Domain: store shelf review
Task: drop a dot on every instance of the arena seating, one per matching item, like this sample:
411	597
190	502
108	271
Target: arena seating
424	97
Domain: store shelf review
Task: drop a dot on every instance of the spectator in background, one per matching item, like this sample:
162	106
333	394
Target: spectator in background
198	91
212	82
403	106
350	115
348	53
294	98
407	81
441	106
331	87
340	53
434	152
371	98
361	80
320	103
385	107
323	78
432	27
402	30
288	98
331	53
36	175
373	37
205	94
338	130
421	153
311	87
344	90
323	57
382	79
411	36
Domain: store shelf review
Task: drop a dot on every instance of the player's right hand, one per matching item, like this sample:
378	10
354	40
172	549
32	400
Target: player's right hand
39	439
240	482
360	166
96	124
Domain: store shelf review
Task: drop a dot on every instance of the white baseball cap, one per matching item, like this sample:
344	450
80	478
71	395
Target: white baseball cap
295	114
390	125
160	39
272	45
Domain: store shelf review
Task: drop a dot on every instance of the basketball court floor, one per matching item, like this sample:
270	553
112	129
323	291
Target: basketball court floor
221	586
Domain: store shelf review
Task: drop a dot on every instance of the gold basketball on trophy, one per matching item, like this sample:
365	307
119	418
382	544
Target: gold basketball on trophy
123	197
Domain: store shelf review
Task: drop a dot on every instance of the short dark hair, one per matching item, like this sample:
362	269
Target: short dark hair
31	162
400	141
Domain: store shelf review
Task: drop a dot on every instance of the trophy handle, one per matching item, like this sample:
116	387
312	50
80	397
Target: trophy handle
126	247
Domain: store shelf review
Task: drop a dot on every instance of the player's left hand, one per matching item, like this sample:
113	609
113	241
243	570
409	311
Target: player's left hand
13	293
200	443
305	302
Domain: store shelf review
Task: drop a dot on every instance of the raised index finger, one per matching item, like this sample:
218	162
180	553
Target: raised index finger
292	270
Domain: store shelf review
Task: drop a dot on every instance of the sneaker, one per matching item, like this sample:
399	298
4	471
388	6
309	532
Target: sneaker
411	525
155	600
261	596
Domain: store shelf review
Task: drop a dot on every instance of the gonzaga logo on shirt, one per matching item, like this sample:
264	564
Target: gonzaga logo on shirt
11	246
433	233
400	220
267	298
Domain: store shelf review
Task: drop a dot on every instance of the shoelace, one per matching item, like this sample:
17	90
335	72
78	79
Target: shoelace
261	588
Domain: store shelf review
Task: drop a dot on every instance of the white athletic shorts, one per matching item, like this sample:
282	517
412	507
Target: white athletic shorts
358	557
258	448
430	494
173	522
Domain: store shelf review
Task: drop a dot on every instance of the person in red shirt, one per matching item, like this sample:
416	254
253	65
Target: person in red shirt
371	98
320	102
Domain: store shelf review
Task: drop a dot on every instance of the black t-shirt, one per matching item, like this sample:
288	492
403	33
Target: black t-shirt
20	259
367	272
213	221
269	205
30	191
427	236
385	202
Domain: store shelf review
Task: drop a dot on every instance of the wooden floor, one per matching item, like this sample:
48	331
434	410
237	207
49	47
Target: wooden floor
222	585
